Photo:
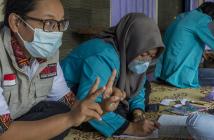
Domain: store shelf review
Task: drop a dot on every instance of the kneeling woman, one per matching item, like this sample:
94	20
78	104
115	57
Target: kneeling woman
129	47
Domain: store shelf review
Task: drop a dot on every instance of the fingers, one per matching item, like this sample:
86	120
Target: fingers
136	120
205	56
98	92
123	95
139	118
117	95
109	85
95	86
113	106
113	99
149	126
157	125
93	115
96	107
111	79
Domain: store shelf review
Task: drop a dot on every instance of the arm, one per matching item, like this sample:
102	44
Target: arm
60	91
93	67
137	106
205	32
42	129
138	101
112	123
52	126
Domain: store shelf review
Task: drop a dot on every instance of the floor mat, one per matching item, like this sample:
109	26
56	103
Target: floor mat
159	92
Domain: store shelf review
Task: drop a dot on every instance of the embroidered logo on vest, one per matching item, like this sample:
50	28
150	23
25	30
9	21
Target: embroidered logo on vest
49	71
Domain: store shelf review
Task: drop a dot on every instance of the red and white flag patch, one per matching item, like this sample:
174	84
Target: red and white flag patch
9	80
49	71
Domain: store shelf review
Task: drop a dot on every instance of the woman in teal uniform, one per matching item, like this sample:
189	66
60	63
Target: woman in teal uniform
185	41
129	47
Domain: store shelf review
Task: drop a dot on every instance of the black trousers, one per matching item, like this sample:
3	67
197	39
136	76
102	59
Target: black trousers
44	110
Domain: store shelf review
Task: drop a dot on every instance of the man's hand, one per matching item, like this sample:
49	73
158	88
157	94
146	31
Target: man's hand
112	95
142	128
87	109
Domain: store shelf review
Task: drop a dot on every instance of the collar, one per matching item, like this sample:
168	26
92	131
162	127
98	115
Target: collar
20	55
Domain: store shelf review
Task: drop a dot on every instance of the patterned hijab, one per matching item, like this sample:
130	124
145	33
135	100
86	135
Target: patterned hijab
131	37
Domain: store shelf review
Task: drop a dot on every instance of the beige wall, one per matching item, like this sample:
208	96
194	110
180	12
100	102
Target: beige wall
86	17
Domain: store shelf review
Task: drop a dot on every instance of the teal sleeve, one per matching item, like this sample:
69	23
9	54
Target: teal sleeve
93	67
138	101
70	67
66	67
205	34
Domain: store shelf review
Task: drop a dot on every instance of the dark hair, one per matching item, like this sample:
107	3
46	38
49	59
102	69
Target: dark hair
208	8
20	7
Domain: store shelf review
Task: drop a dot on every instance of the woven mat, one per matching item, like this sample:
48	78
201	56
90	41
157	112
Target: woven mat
159	92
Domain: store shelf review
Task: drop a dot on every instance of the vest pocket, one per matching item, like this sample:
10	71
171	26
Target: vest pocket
43	87
11	94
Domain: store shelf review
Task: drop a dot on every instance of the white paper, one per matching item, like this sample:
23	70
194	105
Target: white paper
173	126
183	101
152	136
178	105
167	102
207	48
212	89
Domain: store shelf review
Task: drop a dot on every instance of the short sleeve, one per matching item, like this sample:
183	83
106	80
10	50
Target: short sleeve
5	118
59	87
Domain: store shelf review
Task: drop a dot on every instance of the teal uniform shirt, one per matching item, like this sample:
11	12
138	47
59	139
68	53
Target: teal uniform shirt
81	67
184	41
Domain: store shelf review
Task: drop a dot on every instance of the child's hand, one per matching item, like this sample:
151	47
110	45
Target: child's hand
111	103
112	95
141	128
138	115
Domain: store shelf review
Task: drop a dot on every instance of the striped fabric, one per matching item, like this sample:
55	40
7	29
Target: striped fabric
119	8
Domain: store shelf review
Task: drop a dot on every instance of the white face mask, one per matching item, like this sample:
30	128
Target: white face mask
139	66
44	44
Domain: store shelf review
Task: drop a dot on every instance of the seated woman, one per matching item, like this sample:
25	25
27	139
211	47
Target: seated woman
185	41
129	47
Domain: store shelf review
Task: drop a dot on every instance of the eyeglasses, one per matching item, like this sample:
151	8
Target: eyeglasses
51	25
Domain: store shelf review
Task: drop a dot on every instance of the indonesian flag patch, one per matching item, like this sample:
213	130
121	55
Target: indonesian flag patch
49	71
9	80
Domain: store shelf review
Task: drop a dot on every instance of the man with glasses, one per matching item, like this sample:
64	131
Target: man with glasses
49	25
35	102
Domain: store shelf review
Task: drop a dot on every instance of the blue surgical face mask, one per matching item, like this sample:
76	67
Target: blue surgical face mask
44	44
139	66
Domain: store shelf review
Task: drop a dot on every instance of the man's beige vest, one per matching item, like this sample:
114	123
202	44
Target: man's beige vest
26	93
